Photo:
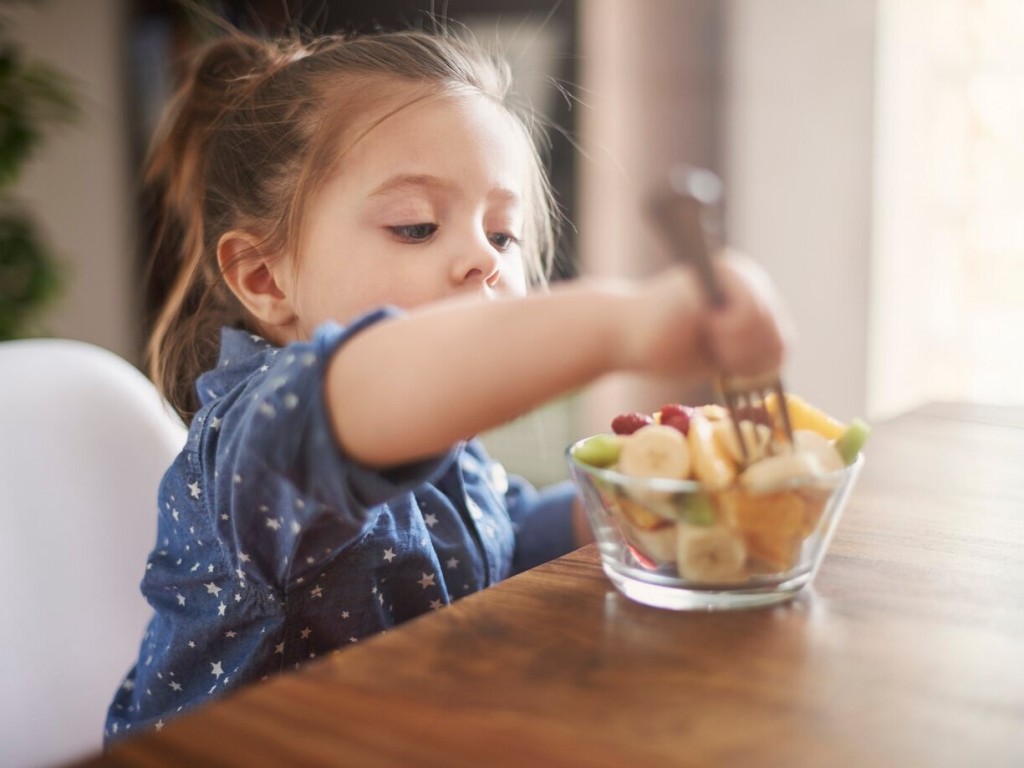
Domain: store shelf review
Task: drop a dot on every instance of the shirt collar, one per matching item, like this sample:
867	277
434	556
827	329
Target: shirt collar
241	354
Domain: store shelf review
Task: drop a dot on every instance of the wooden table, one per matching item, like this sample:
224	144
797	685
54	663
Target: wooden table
908	652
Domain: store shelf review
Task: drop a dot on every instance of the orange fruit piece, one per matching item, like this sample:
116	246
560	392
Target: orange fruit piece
803	415
814	507
640	516
772	525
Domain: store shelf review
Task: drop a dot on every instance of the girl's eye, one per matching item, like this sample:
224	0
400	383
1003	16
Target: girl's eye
413	233
503	241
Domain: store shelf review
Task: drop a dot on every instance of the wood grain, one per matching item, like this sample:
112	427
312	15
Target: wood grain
907	652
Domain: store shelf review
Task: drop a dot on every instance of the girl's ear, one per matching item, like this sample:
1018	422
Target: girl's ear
255	279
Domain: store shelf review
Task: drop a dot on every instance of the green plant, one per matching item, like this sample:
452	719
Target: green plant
33	97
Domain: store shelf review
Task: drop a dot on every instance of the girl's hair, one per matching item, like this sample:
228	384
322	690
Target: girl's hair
251	135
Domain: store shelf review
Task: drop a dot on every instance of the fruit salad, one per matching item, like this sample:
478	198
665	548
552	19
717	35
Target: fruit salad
687	498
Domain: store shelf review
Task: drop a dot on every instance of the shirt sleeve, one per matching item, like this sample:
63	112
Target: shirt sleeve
542	520
279	464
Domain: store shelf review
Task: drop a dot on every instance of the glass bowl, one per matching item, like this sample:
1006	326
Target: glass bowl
675	544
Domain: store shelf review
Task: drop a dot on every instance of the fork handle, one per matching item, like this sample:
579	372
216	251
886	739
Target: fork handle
679	214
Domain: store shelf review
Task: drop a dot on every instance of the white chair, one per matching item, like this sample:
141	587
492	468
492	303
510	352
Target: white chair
84	441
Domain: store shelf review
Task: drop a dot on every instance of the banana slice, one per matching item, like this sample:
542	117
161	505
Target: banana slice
755	436
713	412
711	465
655	451
709	554
808	441
774	471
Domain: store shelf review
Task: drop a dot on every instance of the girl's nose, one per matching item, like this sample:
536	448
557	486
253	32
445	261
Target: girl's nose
477	263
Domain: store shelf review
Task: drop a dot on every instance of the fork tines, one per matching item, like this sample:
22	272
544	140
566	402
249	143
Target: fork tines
745	399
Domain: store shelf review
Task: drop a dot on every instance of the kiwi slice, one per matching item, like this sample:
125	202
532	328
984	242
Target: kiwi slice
849	443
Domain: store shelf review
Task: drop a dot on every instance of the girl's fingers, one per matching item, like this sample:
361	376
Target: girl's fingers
749	334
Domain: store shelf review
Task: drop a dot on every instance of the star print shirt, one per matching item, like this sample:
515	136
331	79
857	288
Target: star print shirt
273	547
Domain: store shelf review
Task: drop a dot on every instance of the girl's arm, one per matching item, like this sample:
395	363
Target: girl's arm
451	370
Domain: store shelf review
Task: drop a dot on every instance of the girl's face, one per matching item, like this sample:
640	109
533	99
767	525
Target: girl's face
428	204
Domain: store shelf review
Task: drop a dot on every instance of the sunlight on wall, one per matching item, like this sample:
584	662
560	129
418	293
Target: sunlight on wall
948	269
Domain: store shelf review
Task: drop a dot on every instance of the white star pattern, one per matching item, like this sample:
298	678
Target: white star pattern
240	482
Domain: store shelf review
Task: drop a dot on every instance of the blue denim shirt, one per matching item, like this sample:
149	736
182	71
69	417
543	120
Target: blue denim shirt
274	548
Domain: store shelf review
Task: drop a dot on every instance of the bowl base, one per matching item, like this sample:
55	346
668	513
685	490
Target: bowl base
696	599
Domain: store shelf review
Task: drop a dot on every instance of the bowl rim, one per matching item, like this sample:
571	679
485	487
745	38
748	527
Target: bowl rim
674	485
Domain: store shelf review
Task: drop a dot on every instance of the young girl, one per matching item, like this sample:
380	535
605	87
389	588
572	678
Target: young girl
354	224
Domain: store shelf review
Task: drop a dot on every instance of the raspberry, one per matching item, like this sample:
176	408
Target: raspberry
628	423
677	416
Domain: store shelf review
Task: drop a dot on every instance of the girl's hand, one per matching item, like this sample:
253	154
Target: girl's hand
675	331
748	334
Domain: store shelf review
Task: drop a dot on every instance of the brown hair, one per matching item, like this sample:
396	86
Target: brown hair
247	139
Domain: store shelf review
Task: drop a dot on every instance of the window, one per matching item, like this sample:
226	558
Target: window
947	314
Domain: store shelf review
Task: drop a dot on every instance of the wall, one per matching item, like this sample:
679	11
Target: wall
798	151
79	183
650	98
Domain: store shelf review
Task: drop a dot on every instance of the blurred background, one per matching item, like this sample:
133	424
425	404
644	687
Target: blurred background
872	151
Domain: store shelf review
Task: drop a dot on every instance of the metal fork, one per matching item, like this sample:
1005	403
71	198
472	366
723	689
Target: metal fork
683	214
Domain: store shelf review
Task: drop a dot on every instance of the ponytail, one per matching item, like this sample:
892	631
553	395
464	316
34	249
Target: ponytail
184	338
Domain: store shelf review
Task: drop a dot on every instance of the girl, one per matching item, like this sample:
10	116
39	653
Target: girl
353	224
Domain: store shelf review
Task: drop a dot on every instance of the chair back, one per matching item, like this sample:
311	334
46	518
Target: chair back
84	441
